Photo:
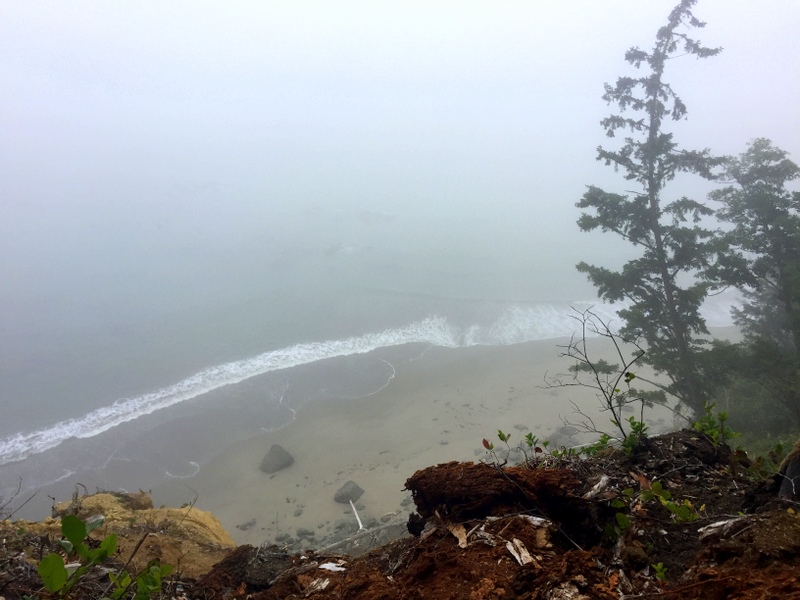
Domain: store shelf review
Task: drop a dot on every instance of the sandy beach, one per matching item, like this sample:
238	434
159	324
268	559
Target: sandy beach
438	407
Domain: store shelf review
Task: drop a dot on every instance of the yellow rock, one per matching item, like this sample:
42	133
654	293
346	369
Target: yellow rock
189	539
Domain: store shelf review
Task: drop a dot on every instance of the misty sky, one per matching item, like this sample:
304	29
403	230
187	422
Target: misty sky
123	114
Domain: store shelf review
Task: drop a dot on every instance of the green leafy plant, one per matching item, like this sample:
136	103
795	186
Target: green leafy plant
56	576
682	511
636	433
622	522
598	446
714	426
59	578
565	452
529	447
504	437
660	571
490	449
149	581
534	450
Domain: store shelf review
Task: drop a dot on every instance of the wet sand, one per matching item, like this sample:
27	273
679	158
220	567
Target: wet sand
438	407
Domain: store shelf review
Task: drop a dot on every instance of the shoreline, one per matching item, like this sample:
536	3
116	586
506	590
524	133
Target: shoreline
409	407
438	407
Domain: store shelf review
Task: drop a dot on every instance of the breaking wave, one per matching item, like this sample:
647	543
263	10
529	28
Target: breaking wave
517	324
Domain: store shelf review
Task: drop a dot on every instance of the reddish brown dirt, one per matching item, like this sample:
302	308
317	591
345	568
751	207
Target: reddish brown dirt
546	530
572	553
437	568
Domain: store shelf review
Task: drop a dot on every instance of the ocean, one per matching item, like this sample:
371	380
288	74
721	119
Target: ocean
155	342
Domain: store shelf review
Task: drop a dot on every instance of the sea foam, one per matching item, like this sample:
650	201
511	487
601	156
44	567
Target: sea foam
519	323
435	331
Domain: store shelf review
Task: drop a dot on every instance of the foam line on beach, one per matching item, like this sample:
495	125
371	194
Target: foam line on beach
517	324
434	331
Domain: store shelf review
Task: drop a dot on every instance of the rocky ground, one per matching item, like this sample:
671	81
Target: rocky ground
679	518
190	540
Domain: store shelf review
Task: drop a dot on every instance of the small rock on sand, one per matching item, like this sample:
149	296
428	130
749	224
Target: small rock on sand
349	491
276	459
248	525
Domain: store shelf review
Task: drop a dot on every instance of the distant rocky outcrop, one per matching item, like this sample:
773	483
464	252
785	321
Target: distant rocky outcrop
276	459
349	491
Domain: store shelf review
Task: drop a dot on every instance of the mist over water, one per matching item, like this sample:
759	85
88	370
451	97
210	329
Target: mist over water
145	300
184	315
207	315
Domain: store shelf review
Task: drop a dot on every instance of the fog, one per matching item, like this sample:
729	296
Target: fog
178	180
205	117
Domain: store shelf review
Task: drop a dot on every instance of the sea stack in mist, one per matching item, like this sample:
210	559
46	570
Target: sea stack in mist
276	459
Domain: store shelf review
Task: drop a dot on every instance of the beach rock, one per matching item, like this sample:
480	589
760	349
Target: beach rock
276	459
248	525
344	528
349	491
371	523
302	532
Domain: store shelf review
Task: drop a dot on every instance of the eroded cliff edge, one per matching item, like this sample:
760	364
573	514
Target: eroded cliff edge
681	517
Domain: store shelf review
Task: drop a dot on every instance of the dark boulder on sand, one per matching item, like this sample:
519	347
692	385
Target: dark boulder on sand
349	491
276	459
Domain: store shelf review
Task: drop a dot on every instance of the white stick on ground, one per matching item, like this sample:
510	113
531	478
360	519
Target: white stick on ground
355	512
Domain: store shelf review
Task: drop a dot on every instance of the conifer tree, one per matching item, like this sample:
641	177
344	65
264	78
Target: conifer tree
663	287
766	229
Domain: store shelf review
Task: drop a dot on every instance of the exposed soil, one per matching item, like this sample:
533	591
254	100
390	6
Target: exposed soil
681	518
546	530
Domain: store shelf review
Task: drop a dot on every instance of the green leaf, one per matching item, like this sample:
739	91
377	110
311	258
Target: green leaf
121	583
107	546
610	531
53	573
73	529
623	521
82	550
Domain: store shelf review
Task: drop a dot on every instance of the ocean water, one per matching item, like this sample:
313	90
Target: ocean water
120	336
